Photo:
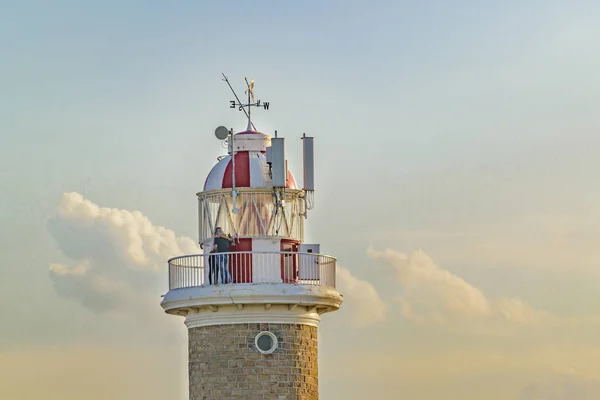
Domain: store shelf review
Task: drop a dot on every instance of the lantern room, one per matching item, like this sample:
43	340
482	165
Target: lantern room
251	195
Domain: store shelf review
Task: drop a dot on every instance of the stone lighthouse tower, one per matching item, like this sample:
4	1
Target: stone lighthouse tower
253	300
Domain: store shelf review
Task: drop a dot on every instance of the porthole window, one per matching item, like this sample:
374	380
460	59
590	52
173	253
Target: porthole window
266	342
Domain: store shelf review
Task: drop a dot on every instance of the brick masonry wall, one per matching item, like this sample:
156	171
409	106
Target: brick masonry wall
224	363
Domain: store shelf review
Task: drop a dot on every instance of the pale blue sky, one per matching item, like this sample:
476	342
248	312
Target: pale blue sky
466	129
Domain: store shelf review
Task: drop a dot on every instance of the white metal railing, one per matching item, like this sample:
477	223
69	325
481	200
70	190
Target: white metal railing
252	267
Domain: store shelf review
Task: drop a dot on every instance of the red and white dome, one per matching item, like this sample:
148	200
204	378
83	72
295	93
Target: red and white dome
251	168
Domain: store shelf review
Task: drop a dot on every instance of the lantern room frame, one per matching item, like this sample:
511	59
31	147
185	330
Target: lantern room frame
263	213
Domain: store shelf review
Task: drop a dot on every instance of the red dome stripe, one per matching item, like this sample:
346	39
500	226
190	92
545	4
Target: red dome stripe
242	171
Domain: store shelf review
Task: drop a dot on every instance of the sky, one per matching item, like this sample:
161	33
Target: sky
457	152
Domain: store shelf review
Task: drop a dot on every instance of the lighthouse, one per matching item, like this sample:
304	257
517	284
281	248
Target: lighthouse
253	299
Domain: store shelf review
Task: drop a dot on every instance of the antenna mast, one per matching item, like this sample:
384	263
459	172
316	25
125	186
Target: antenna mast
250	93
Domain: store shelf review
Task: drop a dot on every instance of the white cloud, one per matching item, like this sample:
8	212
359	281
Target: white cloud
132	236
433	294
95	290
121	256
62	270
360	297
515	310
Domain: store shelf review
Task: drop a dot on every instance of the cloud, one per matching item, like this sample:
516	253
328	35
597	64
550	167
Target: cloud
110	234
120	255
61	270
96	291
433	294
366	305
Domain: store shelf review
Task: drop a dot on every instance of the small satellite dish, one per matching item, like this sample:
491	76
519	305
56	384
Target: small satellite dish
221	133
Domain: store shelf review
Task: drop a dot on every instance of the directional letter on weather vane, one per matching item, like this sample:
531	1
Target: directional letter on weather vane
234	104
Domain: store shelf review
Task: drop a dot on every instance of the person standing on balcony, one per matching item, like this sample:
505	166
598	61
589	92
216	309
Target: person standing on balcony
212	268
220	246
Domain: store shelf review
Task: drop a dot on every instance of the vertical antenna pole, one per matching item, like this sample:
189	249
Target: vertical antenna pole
308	170
249	107
233	191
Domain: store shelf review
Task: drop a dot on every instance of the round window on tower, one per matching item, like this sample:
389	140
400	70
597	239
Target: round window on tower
266	342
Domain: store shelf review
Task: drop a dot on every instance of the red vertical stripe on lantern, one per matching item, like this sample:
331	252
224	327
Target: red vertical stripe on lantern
242	171
240	266
289	262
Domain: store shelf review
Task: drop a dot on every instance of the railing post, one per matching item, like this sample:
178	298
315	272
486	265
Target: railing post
169	269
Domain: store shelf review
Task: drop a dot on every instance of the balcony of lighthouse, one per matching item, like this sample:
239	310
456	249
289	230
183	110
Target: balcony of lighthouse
269	287
275	278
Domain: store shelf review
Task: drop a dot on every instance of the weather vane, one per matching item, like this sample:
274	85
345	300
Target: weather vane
247	107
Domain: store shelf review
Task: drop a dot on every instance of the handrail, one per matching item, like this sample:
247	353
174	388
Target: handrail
248	190
252	267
